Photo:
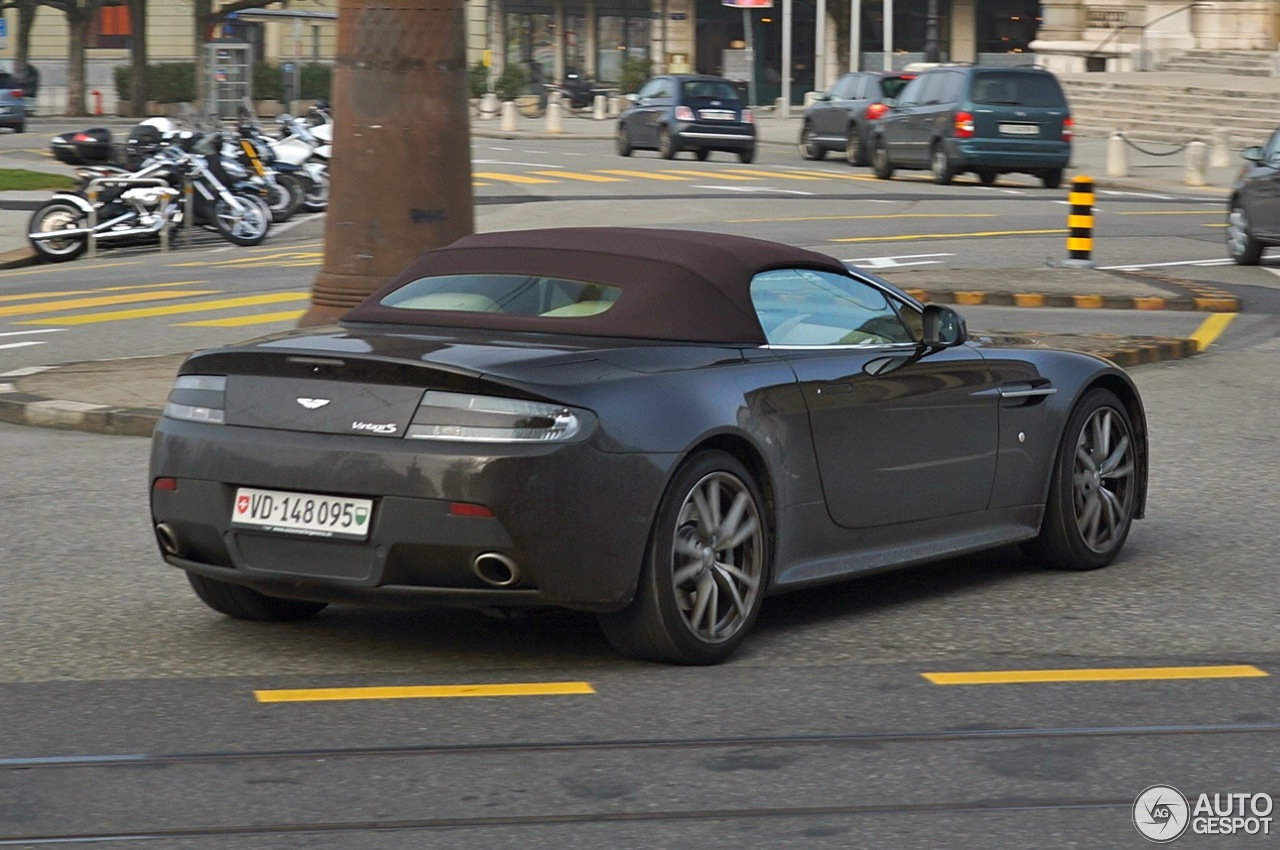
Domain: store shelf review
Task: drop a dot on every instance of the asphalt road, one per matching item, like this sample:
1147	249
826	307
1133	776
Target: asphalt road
133	718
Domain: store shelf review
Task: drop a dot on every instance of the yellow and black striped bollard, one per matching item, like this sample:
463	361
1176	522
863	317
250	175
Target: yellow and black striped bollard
1080	225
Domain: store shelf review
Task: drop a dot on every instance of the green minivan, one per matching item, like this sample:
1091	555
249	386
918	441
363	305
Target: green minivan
981	119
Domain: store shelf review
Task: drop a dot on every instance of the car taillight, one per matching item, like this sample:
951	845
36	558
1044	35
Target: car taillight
17	93
198	398
1068	125
684	113
964	125
748	117
82	137
467	418
877	110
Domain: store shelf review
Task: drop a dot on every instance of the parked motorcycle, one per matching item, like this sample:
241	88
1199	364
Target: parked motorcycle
127	206
308	146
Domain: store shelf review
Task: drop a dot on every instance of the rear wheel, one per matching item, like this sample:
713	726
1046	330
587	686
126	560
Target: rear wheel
1094	490
940	164
317	199
623	142
987	176
245	226
1241	245
854	152
808	148
705	568
880	162
53	216
702	154
667	144
245	603
1052	178
286	197
747	155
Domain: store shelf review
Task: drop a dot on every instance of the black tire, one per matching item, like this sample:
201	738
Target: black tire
245	603
667	147
880	162
702	154
746	156
987	176
1241	245
1052	178
286	197
58	215
808	148
317	197
1093	493
246	227
855	153
944	171
20	128
623	142
705	571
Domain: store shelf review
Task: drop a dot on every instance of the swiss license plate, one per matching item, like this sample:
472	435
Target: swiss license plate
302	513
1020	129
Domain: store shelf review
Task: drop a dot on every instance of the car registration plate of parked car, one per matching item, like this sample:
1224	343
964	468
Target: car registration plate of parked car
302	513
1020	129
717	115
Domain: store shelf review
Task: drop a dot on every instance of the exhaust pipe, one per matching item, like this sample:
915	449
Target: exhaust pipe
496	569
168	539
102	234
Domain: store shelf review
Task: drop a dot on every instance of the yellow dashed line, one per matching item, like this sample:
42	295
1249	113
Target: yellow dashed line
1101	674
885	216
643	175
1211	328
985	233
173	309
707	175
241	321
100	301
587	178
509	178
529	689
771	174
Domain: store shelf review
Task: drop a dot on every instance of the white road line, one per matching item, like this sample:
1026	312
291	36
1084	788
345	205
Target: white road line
23	344
896	261
25	333
1134	266
756	189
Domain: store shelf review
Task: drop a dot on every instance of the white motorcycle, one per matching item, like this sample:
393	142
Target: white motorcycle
310	148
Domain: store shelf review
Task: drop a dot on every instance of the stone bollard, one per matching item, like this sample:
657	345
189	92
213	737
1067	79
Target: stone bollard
1220	157
599	108
509	113
489	106
555	116
1117	155
810	97
1197	157
616	105
781	109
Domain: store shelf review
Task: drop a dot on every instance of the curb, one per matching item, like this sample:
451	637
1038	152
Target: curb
17	258
963	297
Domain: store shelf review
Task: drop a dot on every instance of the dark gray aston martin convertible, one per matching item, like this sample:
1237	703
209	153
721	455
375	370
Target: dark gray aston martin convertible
660	427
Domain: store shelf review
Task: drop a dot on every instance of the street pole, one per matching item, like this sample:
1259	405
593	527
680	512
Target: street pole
401	175
888	35
855	35
931	33
820	47
787	68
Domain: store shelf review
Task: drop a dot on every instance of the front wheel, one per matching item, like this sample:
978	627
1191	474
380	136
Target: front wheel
1241	245
286	196
317	198
245	226
623	142
1093	493
54	216
245	603
705	568
855	153
808	147
880	162
667	148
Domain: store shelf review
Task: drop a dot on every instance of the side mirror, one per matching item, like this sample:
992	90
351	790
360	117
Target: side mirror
943	327
632	97
1253	153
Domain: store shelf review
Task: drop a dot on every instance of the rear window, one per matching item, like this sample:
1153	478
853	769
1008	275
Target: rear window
997	89
893	85
708	90
508	294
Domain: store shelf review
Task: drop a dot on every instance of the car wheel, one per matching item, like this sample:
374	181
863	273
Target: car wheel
705	568
880	162
1094	489
746	156
702	154
940	164
1052	178
808	148
1241	245
20	128
854	152
245	603
987	176
667	144
624	142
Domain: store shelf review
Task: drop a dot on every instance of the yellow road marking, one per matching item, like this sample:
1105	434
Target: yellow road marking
643	175
30	296
172	309
509	178
1210	329
1223	224
946	235
1171	212
241	321
1101	674
529	689
858	217
59	268
707	175
588	178
771	174
101	301
831	175
253	262
302	246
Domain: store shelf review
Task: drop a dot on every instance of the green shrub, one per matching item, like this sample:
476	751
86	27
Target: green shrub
316	81
171	82
511	82
123	76
267	82
478	78
634	71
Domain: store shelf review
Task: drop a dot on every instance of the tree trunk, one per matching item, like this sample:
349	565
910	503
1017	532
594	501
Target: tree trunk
138	57
26	19
78	27
203	16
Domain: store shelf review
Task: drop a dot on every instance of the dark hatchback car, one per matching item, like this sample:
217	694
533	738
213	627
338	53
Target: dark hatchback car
13	110
841	119
680	113
1253	217
985	120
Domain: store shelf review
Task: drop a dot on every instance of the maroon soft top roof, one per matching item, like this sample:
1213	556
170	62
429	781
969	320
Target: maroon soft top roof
676	285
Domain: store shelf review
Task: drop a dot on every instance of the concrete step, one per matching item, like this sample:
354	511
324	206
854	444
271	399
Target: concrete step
1257	63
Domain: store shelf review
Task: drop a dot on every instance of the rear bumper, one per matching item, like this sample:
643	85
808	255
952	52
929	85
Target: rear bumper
1009	156
716	137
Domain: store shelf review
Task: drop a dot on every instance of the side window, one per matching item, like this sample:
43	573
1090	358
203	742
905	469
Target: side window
952	88
805	307
910	94
842	88
930	87
1272	150
859	89
650	89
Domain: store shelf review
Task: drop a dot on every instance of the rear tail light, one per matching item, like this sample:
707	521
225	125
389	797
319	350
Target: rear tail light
1068	126
198	398
964	125
684	113
488	419
748	117
17	93
82	137
877	110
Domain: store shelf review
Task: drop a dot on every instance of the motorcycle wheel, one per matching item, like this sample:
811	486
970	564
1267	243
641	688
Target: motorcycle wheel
245	227
286	197
317	199
58	215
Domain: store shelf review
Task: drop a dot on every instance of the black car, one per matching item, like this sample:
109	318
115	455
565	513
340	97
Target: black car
661	427
841	118
1253	218
687	113
987	120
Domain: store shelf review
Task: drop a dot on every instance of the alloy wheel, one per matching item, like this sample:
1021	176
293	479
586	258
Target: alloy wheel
1103	479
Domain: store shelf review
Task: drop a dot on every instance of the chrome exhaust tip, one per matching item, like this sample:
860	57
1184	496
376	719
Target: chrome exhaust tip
496	569
168	539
